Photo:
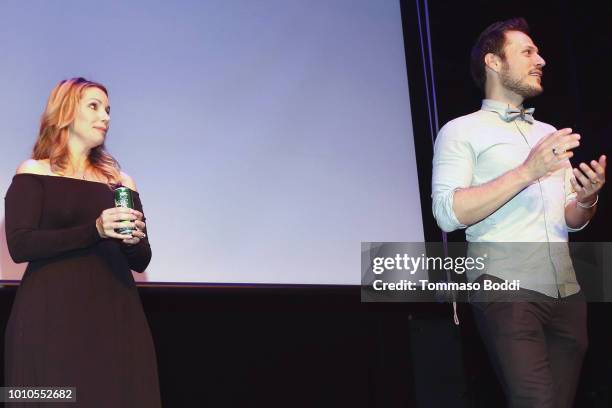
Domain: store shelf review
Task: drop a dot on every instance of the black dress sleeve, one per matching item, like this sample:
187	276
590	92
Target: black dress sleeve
26	241
138	255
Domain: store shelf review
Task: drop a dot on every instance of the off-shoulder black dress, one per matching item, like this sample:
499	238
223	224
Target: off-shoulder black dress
77	319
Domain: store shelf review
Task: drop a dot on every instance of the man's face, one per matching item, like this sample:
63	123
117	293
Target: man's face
521	70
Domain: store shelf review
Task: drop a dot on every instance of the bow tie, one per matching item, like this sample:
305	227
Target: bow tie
512	113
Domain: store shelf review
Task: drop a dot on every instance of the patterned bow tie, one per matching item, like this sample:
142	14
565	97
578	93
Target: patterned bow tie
512	113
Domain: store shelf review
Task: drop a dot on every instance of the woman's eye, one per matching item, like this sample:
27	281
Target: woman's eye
94	106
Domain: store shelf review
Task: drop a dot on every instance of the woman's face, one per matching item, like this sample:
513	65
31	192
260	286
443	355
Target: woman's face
92	118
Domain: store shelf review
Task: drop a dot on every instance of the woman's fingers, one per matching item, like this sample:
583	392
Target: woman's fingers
122	224
131	241
115	218
114	234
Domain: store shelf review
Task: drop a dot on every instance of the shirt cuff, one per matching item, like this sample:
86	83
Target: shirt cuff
443	211
570	229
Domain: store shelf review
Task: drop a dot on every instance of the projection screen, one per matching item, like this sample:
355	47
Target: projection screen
267	138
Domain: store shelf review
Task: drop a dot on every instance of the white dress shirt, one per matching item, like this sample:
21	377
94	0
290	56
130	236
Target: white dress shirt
477	148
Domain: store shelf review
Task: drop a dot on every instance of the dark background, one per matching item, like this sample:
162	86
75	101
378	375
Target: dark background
574	39
314	346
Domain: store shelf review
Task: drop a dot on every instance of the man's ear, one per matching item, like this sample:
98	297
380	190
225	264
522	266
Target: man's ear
493	62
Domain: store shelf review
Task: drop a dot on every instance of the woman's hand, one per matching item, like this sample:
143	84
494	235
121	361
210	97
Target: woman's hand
138	234
117	217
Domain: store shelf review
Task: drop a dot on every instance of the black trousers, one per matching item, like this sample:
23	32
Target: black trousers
536	347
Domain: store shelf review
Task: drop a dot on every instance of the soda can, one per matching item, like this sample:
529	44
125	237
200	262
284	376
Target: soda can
123	198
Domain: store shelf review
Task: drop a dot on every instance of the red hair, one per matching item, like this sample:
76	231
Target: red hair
52	141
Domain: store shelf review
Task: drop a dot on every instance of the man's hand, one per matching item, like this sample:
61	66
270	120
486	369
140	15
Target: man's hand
587	181
550	154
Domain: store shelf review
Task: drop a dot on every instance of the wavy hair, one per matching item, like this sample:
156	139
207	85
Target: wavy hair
52	141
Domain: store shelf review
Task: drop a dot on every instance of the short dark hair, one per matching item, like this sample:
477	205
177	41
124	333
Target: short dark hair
492	40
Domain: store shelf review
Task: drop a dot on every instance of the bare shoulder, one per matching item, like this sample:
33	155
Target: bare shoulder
33	166
128	181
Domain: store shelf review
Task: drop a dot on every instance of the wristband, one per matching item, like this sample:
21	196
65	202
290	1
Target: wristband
588	206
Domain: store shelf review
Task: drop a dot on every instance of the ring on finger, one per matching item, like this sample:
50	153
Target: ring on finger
557	151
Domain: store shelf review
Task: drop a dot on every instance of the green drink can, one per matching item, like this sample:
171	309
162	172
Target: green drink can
123	198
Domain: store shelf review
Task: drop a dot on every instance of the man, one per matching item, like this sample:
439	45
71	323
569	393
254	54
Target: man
507	178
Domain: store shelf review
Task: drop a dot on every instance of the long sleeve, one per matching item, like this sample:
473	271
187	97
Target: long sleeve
138	255
25	239
453	165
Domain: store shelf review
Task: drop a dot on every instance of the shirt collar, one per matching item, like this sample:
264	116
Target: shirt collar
496	106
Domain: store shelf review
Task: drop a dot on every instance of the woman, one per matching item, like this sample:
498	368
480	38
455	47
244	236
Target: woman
77	320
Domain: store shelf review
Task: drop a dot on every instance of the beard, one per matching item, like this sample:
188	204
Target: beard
519	86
